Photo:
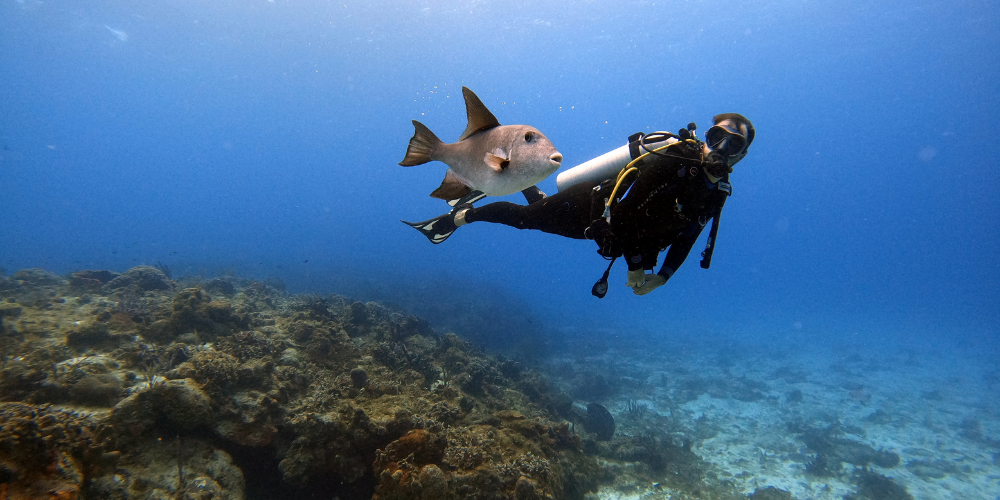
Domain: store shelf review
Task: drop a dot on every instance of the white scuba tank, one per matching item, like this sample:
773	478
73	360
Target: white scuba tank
608	164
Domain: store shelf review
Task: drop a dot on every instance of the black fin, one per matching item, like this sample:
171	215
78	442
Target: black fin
533	194
470	198
437	229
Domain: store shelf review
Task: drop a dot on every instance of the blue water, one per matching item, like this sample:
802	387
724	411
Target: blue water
263	138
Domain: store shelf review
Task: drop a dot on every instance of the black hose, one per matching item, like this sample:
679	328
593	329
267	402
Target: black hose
659	137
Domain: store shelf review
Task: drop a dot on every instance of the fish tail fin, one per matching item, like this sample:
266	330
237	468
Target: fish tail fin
422	146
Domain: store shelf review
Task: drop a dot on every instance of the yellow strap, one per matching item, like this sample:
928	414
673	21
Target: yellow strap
629	168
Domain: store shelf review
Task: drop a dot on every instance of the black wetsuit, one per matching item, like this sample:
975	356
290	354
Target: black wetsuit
670	202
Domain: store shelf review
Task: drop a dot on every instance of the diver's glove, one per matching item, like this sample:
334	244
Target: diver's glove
636	278
653	281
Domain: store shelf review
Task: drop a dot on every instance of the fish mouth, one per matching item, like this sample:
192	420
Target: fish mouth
556	159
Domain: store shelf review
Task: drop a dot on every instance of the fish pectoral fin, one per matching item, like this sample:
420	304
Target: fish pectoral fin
497	163
451	187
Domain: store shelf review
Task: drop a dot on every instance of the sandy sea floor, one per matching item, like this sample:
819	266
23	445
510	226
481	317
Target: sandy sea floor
788	417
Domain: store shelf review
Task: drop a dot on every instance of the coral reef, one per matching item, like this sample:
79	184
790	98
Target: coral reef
139	278
49	453
832	451
874	486
134	385
770	493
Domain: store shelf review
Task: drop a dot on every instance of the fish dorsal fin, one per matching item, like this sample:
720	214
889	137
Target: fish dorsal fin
480	118
498	160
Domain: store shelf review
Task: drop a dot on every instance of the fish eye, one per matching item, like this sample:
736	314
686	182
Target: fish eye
528	136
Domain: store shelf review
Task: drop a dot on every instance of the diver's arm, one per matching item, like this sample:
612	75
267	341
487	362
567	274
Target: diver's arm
675	257
680	249
646	279
644	261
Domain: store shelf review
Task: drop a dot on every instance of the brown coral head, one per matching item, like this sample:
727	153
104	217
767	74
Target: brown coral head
359	377
425	447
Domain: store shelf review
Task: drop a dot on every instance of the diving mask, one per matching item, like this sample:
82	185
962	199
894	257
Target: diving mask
727	140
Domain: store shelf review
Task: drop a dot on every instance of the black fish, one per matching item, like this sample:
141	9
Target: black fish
600	422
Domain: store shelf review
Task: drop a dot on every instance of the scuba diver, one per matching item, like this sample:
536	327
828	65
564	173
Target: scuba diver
667	189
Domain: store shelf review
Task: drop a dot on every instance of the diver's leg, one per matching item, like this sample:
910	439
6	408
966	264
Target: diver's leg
567	214
533	194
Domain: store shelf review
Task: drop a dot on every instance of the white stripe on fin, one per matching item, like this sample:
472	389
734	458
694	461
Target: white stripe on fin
472	197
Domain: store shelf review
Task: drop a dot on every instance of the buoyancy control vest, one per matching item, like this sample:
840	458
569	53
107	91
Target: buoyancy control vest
625	162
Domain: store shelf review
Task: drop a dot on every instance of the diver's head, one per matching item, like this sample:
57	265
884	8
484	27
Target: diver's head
729	138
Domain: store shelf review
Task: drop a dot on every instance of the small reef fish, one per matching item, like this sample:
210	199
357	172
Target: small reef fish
495	159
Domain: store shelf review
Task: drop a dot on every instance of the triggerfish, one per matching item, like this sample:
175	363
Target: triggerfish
495	159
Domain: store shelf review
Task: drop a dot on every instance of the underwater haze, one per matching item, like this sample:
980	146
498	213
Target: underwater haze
855	277
263	137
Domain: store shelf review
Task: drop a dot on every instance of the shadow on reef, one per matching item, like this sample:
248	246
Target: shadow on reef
471	310
264	481
134	385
